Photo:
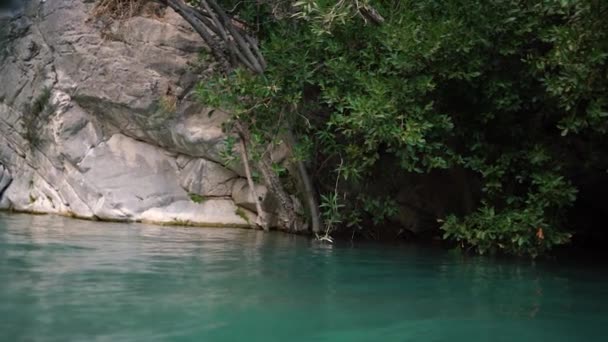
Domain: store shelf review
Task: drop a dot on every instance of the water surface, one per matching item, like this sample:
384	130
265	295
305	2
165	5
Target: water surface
73	280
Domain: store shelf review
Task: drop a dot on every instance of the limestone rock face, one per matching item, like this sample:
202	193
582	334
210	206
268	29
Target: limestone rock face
207	178
243	196
98	119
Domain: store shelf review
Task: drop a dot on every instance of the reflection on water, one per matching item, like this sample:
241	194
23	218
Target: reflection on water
72	280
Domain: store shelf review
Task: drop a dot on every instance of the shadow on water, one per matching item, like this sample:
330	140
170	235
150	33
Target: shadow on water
64	279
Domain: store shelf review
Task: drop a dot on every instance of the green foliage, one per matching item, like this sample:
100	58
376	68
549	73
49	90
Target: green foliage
522	226
241	213
501	88
380	209
204	57
331	210
196	198
513	231
227	153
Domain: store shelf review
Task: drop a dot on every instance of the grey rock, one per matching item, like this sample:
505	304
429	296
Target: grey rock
121	136
212	213
206	178
243	197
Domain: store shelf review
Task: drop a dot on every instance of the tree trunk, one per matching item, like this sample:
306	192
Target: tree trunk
287	212
187	13
309	192
261	220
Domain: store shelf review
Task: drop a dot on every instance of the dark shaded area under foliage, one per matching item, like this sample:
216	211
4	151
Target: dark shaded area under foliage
481	123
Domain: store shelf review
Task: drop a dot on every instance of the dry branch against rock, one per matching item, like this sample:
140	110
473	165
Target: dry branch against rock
118	9
261	220
228	42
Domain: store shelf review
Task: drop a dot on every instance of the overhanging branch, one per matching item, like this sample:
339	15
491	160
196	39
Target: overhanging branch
229	44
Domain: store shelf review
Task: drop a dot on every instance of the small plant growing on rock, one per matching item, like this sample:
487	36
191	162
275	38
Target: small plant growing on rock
164	110
196	198
33	116
41	102
241	213
227	153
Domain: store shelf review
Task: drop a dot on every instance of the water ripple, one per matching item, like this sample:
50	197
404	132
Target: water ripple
72	280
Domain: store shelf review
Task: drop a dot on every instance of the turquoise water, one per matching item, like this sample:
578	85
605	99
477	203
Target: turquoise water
72	280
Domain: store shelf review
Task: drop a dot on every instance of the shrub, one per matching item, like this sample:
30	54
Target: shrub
503	89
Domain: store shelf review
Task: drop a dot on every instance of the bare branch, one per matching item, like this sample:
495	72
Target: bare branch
261	218
371	14
187	13
241	43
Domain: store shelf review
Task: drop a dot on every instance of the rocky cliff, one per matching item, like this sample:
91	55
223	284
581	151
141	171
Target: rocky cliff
98	120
